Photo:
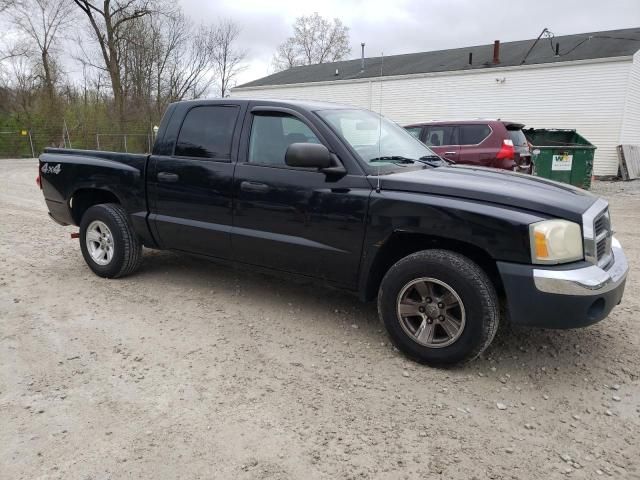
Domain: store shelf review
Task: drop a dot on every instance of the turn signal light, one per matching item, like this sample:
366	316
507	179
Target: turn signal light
540	243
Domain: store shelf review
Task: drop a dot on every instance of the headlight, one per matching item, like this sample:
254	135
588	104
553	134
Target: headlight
555	241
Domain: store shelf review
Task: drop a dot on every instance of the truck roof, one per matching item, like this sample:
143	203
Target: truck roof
304	104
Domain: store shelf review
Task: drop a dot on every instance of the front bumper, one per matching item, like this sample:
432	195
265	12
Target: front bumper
564	296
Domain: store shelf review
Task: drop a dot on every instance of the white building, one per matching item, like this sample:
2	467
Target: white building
592	85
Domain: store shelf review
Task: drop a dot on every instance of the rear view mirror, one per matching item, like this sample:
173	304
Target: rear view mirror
307	155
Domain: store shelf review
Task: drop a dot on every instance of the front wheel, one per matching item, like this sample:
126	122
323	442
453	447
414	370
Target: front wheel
439	307
108	243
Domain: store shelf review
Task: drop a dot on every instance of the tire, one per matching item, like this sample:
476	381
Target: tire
123	252
467	295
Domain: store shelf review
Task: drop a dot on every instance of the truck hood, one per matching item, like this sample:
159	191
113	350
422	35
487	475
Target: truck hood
495	186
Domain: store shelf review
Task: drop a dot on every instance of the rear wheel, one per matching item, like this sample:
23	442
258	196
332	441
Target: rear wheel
439	307
108	243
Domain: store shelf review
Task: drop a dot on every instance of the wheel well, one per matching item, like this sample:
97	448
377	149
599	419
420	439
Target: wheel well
84	199
402	244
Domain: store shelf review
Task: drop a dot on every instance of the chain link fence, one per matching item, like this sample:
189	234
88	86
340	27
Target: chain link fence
30	143
16	144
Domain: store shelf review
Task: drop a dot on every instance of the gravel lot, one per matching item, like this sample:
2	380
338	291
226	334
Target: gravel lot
192	370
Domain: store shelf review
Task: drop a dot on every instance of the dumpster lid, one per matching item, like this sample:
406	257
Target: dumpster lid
557	138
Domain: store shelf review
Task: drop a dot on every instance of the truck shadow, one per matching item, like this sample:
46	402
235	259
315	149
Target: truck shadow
336	309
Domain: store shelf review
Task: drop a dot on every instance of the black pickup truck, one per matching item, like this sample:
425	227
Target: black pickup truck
345	196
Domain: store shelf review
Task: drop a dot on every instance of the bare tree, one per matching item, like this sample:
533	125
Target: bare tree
227	58
9	49
12	51
186	73
135	57
42	21
108	22
23	84
287	55
5	4
165	58
315	40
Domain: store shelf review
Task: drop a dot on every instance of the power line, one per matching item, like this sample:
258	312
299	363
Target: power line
556	48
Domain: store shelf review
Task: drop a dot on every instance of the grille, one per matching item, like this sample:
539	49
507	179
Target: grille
596	228
602	231
601	224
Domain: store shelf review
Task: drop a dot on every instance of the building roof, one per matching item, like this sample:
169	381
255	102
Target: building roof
582	46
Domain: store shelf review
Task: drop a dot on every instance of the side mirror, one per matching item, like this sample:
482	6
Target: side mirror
307	155
536	151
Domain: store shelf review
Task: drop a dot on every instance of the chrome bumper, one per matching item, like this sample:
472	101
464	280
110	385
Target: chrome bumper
591	280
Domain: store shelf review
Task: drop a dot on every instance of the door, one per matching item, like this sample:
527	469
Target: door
190	189
294	219
475	145
443	139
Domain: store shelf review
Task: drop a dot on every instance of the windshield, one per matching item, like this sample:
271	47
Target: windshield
376	139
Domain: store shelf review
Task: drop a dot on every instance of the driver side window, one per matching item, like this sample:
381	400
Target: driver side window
271	135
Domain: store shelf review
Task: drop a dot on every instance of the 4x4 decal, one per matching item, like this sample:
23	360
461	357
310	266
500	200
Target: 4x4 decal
49	169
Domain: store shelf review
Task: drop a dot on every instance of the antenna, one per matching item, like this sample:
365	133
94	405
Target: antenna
544	30
380	122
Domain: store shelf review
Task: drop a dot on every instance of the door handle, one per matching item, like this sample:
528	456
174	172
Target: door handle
449	153
254	187
168	177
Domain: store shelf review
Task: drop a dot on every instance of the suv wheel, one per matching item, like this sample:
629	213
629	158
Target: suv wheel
108	243
438	307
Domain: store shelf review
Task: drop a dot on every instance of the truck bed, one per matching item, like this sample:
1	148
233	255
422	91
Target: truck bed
68	174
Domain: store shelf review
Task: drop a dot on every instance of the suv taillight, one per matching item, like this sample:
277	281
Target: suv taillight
507	151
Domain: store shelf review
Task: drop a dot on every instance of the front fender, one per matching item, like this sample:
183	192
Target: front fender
501	232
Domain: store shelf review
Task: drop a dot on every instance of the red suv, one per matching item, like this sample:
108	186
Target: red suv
485	143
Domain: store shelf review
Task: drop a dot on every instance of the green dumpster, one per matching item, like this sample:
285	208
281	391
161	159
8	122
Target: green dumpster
562	155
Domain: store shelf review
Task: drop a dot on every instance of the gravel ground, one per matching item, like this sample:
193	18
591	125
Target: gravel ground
191	370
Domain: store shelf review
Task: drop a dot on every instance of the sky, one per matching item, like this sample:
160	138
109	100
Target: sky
404	26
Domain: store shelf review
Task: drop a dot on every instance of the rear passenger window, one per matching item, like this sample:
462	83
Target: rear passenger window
272	134
207	132
440	135
473	134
